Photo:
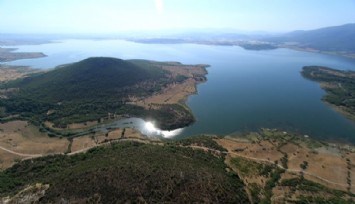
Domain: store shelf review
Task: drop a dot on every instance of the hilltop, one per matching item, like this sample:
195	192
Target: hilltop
88	80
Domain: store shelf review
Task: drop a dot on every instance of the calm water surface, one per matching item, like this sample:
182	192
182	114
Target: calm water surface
245	90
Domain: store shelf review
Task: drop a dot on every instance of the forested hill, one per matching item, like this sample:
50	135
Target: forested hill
128	172
90	89
89	79
336	38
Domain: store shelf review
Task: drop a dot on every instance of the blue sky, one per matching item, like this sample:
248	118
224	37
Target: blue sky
112	16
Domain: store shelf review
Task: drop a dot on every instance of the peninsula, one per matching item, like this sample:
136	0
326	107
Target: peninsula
339	85
99	89
8	54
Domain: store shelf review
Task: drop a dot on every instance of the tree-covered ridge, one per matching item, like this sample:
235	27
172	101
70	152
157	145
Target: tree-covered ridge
89	90
339	85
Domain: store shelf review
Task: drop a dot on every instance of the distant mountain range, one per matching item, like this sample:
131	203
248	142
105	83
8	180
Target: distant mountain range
336	38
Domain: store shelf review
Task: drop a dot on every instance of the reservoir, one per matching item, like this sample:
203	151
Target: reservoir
246	90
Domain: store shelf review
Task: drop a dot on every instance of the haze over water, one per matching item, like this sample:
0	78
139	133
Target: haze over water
246	90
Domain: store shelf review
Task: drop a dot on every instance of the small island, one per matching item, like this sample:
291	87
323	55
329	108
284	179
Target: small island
8	54
255	45
339	85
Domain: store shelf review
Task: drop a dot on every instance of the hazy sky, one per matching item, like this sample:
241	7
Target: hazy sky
106	16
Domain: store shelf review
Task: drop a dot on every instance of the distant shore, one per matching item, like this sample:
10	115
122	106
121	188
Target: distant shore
8	55
334	53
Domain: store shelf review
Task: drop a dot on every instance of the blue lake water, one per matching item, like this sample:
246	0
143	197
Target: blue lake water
246	90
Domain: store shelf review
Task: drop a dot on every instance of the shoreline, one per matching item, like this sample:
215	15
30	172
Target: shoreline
336	84
269	46
176	93
311	50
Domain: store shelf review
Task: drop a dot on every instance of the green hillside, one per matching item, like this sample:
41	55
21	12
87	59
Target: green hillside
87	80
129	172
89	90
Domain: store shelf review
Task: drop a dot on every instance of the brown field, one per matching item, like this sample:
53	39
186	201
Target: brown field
80	143
26	141
177	92
264	150
8	73
171	95
19	140
326	165
134	134
112	135
8	159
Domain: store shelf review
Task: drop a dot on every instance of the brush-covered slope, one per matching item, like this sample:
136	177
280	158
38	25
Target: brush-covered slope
129	172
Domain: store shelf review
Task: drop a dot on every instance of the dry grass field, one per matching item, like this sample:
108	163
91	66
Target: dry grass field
20	140
177	92
330	165
8	73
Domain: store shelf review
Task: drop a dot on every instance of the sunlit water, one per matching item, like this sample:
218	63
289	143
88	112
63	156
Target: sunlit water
145	127
245	90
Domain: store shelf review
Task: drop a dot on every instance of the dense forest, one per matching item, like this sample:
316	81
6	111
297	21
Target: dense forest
129	172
